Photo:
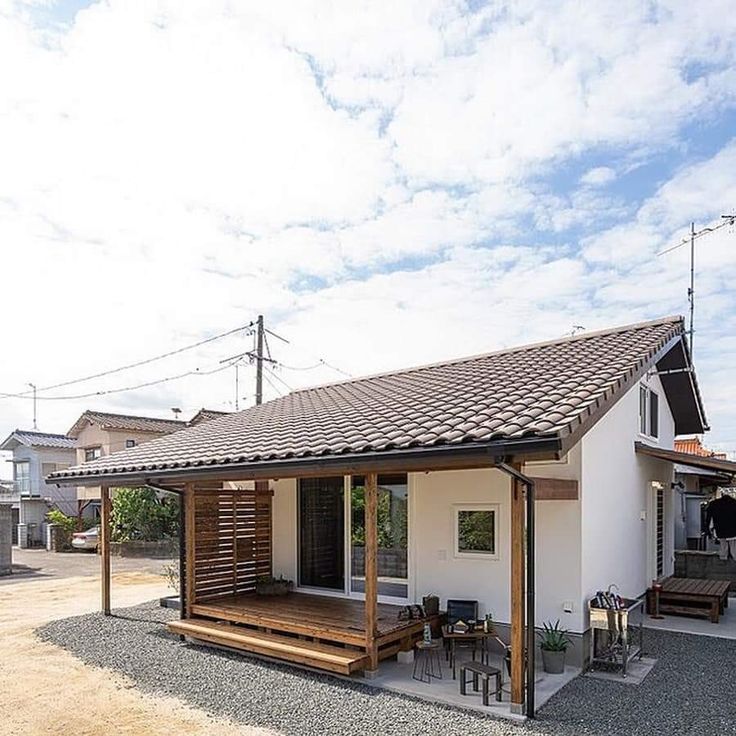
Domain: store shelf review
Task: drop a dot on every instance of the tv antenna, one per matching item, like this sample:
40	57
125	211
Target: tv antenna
726	221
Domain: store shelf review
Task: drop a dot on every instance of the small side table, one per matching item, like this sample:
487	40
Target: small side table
427	661
481	671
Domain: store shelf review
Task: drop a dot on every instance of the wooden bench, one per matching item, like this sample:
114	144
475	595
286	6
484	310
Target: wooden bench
484	672
309	653
691	597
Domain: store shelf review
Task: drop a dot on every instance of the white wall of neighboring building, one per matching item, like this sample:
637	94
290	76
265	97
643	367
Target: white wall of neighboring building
617	498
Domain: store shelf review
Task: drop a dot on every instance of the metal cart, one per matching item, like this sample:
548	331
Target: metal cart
617	635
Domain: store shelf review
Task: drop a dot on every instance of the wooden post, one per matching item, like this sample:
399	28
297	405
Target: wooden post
517	595
105	547
371	568
190	545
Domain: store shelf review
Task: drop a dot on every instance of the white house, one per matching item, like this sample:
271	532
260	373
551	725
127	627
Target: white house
539	467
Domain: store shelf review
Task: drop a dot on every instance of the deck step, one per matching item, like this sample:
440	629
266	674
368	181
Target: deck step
312	654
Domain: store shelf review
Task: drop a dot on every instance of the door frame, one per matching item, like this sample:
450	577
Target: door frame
346	592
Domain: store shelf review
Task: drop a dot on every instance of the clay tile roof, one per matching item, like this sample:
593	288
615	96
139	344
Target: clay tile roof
693	446
548	390
31	438
125	422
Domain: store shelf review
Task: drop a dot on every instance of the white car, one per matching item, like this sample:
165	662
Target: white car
86	540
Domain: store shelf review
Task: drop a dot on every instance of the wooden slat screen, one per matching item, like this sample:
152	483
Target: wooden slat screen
232	541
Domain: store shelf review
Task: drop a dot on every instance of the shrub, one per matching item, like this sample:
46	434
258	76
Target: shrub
67	523
139	514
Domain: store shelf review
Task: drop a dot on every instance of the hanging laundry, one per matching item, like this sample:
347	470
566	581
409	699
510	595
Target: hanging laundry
721	513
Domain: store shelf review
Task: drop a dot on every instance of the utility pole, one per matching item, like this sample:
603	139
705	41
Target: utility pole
33	386
691	290
259	361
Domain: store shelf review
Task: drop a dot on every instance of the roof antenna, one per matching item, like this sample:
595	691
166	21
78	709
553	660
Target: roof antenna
176	411
726	220
576	329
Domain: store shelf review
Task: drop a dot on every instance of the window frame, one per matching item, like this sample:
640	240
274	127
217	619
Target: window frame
129	443
475	555
96	448
18	480
649	413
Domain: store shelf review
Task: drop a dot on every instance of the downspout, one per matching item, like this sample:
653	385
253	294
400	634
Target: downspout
182	543
530	581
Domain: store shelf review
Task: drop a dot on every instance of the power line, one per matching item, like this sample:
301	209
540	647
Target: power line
137	364
105	392
278	378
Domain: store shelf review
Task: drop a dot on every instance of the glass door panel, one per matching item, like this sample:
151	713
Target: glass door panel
322	533
393	533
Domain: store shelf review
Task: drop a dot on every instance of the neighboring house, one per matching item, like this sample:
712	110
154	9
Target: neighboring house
36	455
206	415
390	487
99	434
695	487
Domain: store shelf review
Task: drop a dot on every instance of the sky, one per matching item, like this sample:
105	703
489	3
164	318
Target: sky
388	183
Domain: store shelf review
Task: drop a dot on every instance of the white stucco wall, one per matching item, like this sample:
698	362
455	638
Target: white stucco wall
617	513
432	562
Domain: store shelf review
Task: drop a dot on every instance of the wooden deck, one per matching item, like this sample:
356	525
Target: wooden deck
319	631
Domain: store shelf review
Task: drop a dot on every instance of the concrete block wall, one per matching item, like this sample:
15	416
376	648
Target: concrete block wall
705	566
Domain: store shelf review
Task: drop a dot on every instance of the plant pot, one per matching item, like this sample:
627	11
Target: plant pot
554	662
431	605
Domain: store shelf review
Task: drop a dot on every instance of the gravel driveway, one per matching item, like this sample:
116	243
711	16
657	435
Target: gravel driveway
690	691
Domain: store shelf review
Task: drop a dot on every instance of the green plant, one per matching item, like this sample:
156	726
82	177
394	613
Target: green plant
139	514
67	523
552	638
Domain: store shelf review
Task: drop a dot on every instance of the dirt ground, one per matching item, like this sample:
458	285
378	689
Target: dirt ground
45	690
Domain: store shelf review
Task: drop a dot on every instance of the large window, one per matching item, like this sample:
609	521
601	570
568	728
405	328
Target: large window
92	453
393	532
476	531
22	476
322	533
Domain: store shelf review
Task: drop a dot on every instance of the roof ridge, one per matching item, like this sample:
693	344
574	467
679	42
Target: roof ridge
40	433
501	351
131	416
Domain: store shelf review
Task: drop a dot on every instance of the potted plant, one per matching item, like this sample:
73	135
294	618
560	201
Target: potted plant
553	643
269	585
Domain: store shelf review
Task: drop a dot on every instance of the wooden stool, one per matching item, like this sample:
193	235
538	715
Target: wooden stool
476	669
427	661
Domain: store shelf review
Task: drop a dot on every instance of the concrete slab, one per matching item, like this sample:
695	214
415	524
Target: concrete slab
397	677
724	629
635	674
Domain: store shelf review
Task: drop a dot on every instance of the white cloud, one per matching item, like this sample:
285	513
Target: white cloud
367	175
598	176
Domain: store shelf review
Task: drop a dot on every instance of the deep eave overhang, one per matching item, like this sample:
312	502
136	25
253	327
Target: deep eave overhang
445	457
684	458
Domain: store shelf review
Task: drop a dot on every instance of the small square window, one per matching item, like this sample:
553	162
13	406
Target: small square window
476	531
130	443
92	453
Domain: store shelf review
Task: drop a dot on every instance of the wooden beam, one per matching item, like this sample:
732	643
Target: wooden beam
105	548
518	521
189	545
371	569
555	489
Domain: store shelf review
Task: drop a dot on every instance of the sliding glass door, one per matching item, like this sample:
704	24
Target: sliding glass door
322	533
324	536
393	536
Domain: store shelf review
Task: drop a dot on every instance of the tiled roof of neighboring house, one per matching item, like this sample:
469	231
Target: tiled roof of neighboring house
499	402
205	415
32	438
693	446
125	422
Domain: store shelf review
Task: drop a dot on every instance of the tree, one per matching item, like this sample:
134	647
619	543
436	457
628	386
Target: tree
140	514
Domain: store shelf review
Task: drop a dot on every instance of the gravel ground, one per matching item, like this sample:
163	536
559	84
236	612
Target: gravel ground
690	691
